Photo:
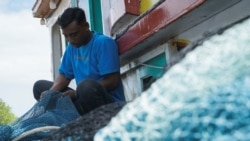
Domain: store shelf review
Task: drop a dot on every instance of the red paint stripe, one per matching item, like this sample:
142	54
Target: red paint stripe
160	17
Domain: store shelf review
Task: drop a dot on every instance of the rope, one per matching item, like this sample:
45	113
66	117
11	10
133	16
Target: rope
35	130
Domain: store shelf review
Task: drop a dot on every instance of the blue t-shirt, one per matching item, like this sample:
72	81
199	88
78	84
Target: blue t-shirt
92	61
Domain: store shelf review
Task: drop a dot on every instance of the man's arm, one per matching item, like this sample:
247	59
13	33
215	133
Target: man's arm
60	83
110	81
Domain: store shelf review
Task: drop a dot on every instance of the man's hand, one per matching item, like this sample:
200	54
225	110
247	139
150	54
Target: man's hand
42	94
70	93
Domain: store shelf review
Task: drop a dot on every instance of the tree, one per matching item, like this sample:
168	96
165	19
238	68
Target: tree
6	116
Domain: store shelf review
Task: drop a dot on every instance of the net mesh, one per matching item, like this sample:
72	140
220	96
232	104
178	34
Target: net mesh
52	110
203	97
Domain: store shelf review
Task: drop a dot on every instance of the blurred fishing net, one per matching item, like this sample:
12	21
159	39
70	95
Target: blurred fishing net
204	95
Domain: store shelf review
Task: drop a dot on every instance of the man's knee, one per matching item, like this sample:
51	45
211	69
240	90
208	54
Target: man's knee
38	83
90	95
40	86
90	86
88	83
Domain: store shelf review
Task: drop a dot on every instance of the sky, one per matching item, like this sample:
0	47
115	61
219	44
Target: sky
25	54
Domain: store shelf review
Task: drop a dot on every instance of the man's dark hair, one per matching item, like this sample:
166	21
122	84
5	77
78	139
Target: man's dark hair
70	15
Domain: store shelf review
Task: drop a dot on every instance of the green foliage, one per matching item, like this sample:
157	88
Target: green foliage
6	116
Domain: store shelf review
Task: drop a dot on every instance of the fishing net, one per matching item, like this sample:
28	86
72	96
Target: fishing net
51	113
205	96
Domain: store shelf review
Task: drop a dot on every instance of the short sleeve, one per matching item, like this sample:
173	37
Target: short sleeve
108	56
66	65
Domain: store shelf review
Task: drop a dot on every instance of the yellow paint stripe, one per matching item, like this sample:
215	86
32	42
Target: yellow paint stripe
146	4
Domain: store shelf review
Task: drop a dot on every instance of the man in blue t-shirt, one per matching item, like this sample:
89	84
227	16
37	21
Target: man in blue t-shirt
91	59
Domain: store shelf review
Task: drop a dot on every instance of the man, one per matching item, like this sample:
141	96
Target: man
91	59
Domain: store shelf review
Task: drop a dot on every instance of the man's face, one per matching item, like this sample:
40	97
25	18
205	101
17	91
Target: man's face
76	34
